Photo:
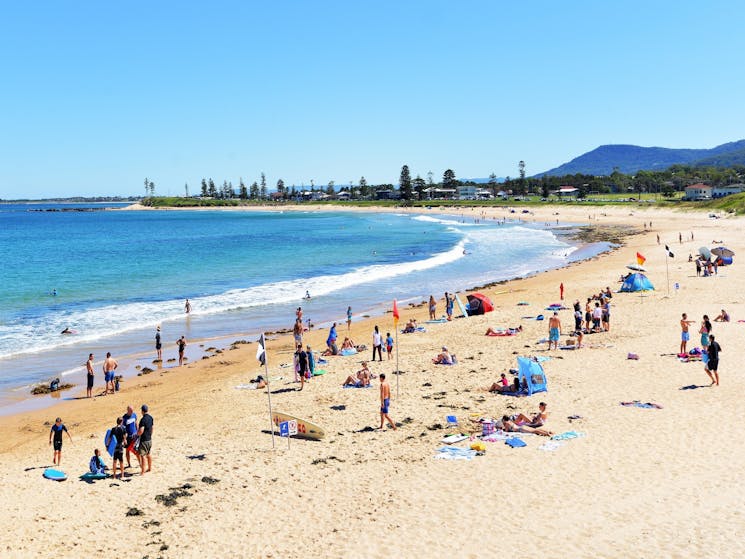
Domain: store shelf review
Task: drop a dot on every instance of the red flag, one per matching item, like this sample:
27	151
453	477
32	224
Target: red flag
395	313
640	259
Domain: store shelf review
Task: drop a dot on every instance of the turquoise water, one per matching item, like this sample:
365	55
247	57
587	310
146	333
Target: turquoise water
119	274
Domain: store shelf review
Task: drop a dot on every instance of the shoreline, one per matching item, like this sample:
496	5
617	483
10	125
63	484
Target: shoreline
139	356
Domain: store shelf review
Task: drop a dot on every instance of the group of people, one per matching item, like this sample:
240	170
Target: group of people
449	304
710	348
109	375
127	435
521	423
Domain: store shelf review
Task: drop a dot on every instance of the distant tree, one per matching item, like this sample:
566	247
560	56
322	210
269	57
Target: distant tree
152	188
212	191
262	187
243	190
419	185
331	188
293	192
186	189
493	186
205	192
364	188
430	179
227	190
281	188
544	187
404	183
253	193
448	179
147	186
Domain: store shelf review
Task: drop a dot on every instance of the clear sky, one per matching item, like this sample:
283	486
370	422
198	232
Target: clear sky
96	96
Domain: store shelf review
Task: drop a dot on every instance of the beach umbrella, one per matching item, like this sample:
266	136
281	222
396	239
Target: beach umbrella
636	267
705	252
723	251
479	304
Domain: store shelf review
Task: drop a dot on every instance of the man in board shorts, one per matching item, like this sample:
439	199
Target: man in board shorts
130	424
90	375
109	366
554	331
145	432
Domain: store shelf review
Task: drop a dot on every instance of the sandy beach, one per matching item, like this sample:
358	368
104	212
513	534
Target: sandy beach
639	482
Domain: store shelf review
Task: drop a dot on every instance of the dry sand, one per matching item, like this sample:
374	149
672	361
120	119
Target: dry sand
640	483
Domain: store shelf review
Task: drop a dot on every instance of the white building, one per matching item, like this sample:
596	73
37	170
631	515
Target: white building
698	191
722	191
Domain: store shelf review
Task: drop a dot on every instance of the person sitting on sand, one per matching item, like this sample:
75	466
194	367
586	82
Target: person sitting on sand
347	344
724	317
511	427
410	327
499	332
444	358
502	385
96	464
360	379
536	420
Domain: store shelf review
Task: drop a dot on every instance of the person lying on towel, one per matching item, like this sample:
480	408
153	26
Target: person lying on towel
511	427
360	379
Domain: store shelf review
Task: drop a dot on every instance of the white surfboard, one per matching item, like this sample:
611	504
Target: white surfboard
305	429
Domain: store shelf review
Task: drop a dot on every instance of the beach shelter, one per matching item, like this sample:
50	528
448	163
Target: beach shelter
637	282
531	375
479	304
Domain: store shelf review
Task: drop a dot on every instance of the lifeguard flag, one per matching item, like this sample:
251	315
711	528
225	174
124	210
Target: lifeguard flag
640	259
669	252
395	313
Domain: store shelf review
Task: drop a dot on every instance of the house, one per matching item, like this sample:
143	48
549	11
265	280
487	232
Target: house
698	191
566	192
722	191
343	195
471	192
440	193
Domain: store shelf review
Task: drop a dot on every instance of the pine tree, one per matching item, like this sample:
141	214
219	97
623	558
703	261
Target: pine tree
262	187
364	189
404	183
253	193
281	188
330	190
204	188
448	179
244	190
212	190
419	185
152	188
147	186
186	189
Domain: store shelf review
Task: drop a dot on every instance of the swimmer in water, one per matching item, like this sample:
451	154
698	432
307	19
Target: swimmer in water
307	295
67	331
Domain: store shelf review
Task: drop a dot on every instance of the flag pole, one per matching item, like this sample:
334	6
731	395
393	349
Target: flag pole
262	341
395	327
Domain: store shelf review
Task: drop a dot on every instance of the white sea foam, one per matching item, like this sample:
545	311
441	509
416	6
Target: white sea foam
96	323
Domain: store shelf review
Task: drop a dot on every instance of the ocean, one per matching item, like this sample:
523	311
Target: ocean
113	276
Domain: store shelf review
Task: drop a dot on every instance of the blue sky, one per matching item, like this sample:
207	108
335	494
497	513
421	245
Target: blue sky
96	96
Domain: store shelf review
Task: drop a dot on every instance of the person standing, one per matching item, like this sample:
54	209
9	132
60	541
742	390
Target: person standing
302	364
299	314
181	347
297	331
713	363
120	433
158	346
388	345
432	307
684	335
554	330
311	360
331	340
129	420
187	307
561	291
90	376
385	402
56	433
109	367
377	343
349	319
145	432
705	331
449	301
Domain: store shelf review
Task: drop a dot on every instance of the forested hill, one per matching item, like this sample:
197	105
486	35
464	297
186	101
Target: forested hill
630	159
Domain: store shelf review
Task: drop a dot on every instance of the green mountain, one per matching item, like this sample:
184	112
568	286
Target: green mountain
629	159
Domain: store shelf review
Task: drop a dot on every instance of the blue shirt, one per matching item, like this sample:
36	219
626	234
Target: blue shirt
389	341
130	422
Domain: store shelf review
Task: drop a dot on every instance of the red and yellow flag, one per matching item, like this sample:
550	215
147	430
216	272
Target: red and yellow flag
395	313
640	259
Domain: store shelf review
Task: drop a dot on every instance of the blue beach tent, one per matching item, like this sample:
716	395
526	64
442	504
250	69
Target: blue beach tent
637	282
531	376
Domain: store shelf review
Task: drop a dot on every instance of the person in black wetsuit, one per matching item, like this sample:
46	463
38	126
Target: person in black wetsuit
56	433
713	363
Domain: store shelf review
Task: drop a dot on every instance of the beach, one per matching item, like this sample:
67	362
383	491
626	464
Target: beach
639	481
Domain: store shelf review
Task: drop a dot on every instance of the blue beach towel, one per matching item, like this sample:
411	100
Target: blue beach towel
455	453
514	442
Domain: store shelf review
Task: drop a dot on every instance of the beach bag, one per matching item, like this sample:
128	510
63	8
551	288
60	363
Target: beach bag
487	428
